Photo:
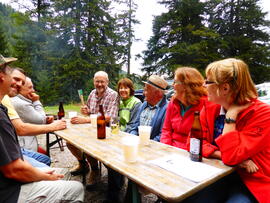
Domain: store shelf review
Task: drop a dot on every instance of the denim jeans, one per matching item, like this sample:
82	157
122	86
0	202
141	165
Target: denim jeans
36	159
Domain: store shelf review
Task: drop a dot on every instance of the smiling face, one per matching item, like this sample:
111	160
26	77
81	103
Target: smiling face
18	80
124	92
100	83
5	81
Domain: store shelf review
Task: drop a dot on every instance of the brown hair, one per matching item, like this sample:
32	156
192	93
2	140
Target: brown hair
193	81
126	83
234	72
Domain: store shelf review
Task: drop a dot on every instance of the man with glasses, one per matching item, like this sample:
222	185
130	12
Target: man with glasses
108	98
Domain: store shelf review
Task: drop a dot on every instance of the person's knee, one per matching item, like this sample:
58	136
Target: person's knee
76	190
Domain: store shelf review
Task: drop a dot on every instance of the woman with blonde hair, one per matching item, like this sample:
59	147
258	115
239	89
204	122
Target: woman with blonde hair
190	96
236	129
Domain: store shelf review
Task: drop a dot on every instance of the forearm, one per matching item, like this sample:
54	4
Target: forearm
27	129
22	171
216	155
39	108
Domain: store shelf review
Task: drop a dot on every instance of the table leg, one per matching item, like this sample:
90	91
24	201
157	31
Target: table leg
48	144
84	174
136	196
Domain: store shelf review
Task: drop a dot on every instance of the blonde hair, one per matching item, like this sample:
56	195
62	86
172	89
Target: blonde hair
193	81
234	72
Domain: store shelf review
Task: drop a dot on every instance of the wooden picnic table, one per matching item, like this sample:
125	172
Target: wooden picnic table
164	183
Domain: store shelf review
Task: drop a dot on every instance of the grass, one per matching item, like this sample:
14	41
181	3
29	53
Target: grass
67	108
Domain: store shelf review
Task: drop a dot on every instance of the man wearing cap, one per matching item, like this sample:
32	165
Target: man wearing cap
19	181
152	111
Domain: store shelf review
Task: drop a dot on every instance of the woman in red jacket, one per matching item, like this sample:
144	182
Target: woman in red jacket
190	96
244	136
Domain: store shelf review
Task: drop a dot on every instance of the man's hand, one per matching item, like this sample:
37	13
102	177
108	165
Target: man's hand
85	110
80	120
58	125
53	176
49	119
33	97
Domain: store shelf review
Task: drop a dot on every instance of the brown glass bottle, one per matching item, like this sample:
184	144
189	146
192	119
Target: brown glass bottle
101	124
61	112
196	138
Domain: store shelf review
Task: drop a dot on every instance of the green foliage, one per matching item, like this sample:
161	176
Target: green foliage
67	108
66	44
194	33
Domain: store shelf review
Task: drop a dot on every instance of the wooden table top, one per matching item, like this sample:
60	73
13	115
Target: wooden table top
165	184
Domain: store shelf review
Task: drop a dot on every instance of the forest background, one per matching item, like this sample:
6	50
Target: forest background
62	43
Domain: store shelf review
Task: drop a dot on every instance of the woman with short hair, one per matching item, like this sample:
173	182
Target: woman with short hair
129	104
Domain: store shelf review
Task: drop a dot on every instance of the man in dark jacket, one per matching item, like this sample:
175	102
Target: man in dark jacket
152	111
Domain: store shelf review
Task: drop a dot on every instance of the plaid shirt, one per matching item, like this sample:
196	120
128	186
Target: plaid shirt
109	101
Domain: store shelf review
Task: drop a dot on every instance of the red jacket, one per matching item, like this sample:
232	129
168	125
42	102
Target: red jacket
176	128
250	140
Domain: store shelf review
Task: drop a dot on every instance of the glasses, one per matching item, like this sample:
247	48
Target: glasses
208	82
177	82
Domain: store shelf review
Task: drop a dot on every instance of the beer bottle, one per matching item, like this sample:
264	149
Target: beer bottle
196	138
101	124
61	112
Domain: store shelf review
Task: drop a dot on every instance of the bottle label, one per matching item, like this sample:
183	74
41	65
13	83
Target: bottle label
194	146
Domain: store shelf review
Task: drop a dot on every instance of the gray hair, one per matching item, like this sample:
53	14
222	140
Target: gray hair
102	74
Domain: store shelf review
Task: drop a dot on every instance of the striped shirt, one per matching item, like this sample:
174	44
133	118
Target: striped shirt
109	101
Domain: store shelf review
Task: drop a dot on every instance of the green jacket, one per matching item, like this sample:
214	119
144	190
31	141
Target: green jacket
125	109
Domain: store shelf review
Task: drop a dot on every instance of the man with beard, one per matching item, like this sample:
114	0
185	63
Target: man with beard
108	98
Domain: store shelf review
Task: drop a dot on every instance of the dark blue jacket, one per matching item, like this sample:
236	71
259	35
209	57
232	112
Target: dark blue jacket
157	120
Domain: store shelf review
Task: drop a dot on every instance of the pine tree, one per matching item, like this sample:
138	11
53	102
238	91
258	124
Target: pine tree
180	38
241	26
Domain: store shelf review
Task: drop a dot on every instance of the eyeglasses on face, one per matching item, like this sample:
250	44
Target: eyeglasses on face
175	82
208	82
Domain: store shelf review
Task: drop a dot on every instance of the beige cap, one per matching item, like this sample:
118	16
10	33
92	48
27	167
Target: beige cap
6	60
157	81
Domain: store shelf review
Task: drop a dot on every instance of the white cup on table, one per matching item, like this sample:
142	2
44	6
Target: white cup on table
130	145
93	118
144	134
72	114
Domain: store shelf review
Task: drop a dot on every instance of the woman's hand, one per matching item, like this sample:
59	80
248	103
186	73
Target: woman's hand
249	165
234	110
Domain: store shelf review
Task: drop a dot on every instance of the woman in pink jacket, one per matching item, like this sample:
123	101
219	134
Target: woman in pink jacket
242	136
190	96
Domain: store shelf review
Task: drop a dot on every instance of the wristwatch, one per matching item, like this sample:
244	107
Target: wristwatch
229	120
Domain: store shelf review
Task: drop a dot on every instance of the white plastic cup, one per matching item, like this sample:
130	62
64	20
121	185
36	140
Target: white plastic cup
93	118
144	134
72	114
130	148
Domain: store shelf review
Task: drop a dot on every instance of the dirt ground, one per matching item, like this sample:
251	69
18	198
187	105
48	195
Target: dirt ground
64	159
